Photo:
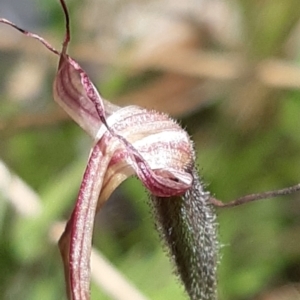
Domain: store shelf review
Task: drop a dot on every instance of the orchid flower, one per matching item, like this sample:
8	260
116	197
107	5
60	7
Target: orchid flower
134	141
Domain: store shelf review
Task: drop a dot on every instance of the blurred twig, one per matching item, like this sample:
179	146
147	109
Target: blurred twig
111	280
23	198
28	121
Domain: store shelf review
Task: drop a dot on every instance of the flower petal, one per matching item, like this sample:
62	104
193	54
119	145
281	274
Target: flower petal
75	243
154	146
76	94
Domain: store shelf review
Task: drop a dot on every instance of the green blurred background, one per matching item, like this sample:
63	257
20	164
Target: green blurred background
227	70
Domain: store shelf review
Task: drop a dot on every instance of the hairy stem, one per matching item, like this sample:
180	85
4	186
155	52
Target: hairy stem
188	226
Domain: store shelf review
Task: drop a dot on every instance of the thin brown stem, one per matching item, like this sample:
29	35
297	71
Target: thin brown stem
30	34
255	197
67	24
